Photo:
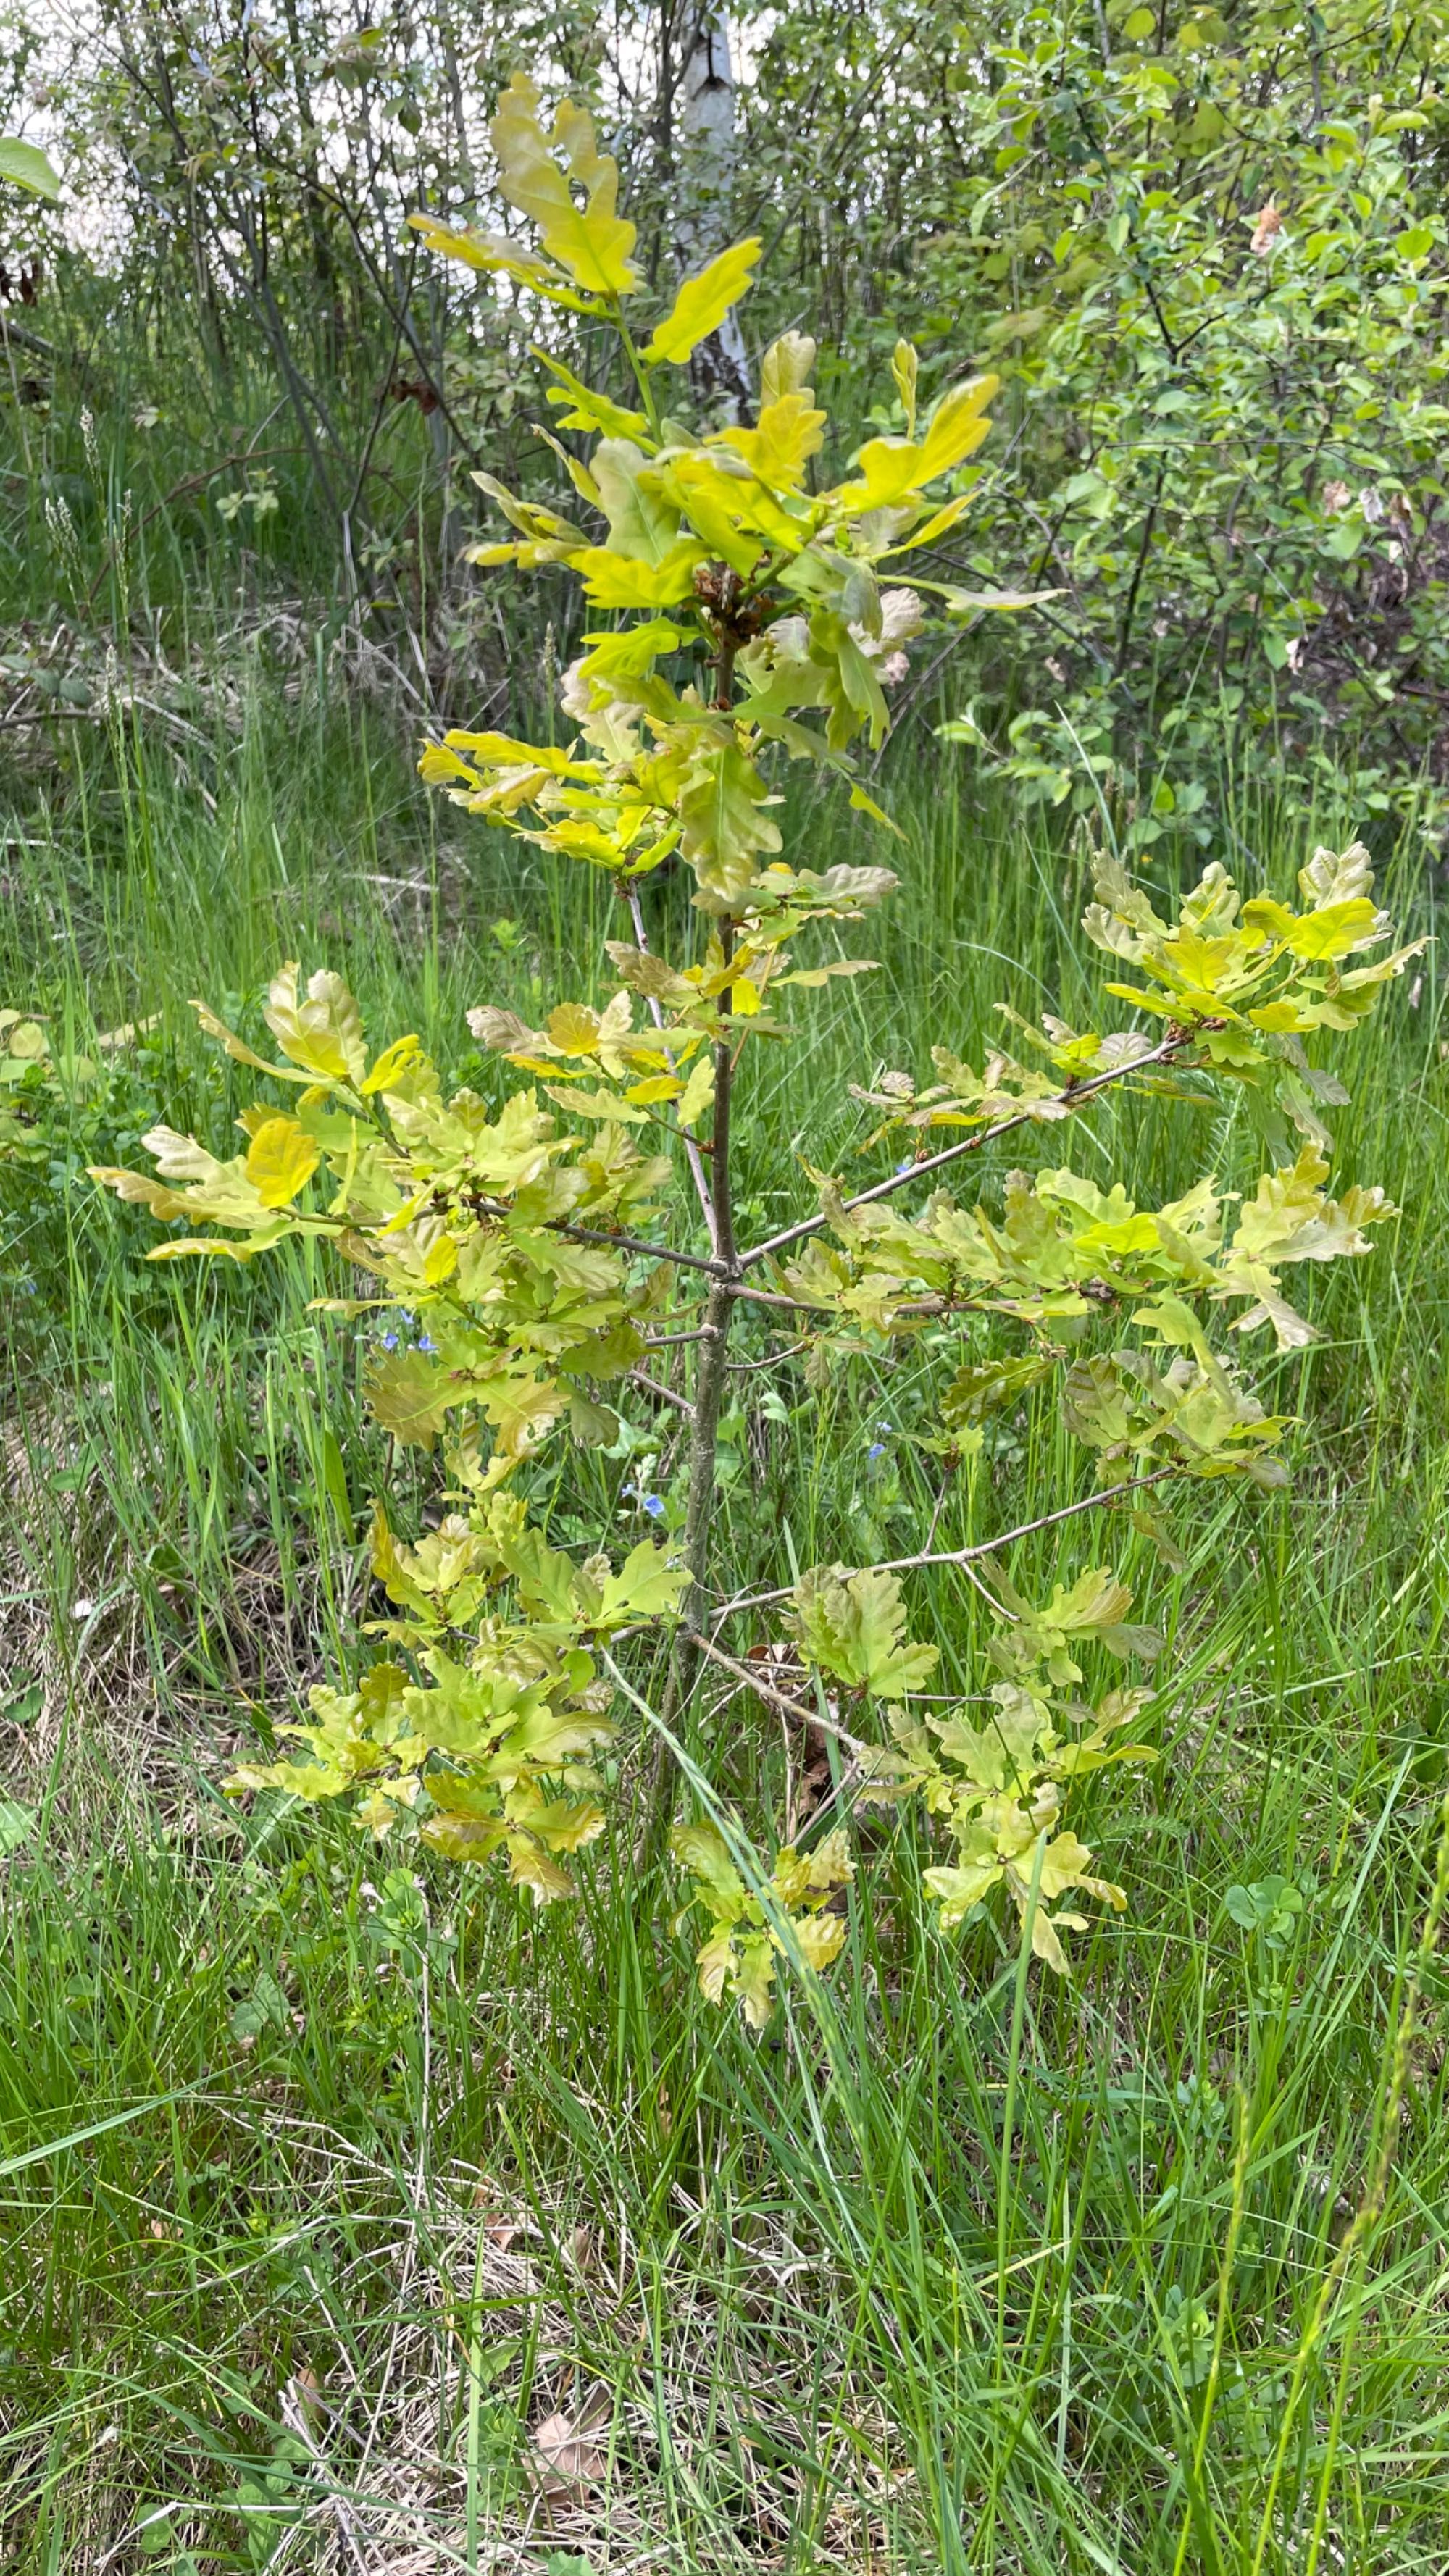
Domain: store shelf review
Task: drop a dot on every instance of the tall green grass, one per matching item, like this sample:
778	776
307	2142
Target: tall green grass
324	2186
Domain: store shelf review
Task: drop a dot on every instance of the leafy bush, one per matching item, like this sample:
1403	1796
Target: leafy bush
534	1256
1205	248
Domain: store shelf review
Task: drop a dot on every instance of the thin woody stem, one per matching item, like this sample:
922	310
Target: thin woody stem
719	1309
649	1251
656	1013
666	1394
1028	1529
709	1387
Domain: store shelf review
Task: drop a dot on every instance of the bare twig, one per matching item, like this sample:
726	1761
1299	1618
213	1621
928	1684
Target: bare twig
1046	1520
776	1699
965	1557
649	1251
666	1394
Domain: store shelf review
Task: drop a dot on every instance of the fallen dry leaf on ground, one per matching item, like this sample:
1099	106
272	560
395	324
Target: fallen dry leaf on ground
565	2454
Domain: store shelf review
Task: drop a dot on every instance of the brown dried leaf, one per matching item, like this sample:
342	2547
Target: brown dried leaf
565	2455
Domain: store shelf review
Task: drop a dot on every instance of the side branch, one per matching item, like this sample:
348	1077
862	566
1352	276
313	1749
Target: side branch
766	1691
983	1547
1070	1098
650	1251
716	1267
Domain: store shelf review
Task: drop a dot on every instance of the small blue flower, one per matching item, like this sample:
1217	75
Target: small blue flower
876	1449
389	1341
654	1506
908	1165
426	1342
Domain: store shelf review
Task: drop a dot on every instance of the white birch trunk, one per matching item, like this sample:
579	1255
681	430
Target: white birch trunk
720	367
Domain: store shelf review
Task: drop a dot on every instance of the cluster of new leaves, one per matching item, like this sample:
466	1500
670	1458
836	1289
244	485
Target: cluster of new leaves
1256	978
761	613
461	1219
631	1074
1060	1247
1241	987
748	1933
490	1749
998	1788
459	1222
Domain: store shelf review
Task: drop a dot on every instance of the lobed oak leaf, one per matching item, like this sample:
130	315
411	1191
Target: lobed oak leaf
138	1189
320	1030
402	1057
701	305
614	580
530	1866
503	1032
788	431
464	1837
852	1625
821	1937
645	973
724	828
409	1395
181	1158
492	253
754	1977
989	1386
591	241
1337	877
1066	1862
597	1104
582	407
647	1586
956	1889
715	1962
698	1093
785	367
211	1247
562	1824
280	1160
1330	930
594	1426
702	1850
1045	1943
238	1049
